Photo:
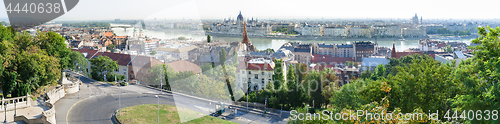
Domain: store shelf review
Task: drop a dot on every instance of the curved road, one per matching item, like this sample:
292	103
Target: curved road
99	101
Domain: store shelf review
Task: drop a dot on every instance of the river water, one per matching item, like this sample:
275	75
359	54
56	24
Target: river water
264	43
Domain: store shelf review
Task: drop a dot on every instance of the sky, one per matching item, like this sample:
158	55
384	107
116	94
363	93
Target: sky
278	9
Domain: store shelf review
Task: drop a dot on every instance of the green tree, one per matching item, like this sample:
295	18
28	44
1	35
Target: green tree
8	82
78	60
378	73
111	47
55	46
222	59
153	52
156	75
278	76
479	76
102	65
181	38
294	94
366	74
421	84
300	71
209	38
222	56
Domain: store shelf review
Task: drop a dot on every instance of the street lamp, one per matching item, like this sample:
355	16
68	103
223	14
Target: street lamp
5	106
80	78
15	108
158	119
119	99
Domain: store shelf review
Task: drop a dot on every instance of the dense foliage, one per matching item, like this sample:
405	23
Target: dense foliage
28	63
418	83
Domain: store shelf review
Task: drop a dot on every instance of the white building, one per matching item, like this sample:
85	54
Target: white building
335	31
258	73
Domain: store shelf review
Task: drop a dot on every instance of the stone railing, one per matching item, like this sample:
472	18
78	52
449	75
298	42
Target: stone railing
48	116
17	102
72	87
56	94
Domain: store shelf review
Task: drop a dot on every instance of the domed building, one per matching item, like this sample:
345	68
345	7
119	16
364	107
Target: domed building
235	27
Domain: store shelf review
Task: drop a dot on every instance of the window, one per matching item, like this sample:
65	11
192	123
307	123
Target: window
249	72
262	80
262	73
249	80
256	76
116	70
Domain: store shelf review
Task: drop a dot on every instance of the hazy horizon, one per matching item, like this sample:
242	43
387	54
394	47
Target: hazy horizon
264	10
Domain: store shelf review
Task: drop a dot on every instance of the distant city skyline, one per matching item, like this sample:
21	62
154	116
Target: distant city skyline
289	9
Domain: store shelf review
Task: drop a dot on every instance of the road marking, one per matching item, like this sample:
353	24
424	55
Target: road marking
67	113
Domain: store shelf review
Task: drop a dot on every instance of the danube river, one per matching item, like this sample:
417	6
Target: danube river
264	43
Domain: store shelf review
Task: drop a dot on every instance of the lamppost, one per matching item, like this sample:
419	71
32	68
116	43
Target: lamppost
80	78
119	100
5	106
15	108
158	119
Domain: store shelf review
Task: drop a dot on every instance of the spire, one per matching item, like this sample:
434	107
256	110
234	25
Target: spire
246	40
245	36
393	53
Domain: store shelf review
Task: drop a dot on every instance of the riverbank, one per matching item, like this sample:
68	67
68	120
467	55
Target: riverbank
318	38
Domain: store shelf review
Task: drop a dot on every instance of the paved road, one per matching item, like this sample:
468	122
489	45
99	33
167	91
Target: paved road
99	101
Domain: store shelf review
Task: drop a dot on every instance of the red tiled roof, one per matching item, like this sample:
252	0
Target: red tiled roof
144	61
121	59
121	36
183	65
257	66
89	52
108	34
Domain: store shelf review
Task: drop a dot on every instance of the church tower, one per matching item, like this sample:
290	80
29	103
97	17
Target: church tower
246	40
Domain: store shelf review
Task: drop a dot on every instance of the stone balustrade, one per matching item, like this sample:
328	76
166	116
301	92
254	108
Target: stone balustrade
17	102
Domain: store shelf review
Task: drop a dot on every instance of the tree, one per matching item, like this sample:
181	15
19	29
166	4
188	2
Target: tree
300	71
55	46
222	59
181	38
78	60
222	56
102	65
156	75
378	73
153	52
209	38
111	47
36	68
278	75
479	76
420	84
293	91
8	82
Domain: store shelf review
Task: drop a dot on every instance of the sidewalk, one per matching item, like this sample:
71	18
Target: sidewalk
32	112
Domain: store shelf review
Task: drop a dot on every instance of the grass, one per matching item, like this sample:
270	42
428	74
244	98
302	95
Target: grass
147	114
